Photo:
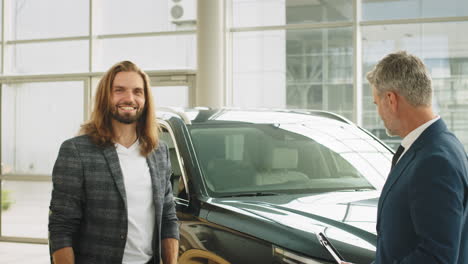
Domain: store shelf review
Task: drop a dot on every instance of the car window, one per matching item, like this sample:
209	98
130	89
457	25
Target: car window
291	158
176	176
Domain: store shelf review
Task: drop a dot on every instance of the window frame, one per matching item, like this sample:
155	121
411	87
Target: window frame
179	201
21	177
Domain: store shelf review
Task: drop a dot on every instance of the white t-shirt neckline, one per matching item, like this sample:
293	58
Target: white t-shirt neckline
140	204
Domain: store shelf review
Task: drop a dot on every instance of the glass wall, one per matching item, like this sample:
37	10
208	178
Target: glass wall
37	118
27	212
320	69
52	54
282	54
302	54
443	46
373	10
282	59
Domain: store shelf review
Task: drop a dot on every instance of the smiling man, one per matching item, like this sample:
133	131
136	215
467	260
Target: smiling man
112	199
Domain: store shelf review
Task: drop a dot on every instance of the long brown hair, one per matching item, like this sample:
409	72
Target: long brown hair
99	127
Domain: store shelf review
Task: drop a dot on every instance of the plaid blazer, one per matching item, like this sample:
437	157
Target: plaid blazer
88	208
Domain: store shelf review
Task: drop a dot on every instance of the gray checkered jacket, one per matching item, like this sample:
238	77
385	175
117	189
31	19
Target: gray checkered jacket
88	209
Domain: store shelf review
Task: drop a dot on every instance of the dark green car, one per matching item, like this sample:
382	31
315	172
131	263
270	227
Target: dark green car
259	186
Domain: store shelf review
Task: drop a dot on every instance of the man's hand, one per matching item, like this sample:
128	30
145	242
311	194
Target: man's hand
64	256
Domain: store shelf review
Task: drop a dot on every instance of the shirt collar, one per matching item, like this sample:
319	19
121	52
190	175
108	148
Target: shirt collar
413	135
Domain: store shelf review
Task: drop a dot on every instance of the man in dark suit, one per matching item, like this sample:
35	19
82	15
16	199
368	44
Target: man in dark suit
423	208
112	199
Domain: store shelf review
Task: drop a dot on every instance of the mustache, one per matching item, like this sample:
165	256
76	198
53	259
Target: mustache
127	104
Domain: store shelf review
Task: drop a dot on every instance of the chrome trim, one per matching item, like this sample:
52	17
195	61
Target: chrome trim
293	258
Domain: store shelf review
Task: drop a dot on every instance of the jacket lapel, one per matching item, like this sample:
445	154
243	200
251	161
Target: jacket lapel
155	177
434	129
112	158
394	175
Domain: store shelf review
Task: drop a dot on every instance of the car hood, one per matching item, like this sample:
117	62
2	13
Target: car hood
348	219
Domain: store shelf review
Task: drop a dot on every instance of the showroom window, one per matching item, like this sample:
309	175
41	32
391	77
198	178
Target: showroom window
412	9
307	55
443	46
52	55
293	54
296	54
36	117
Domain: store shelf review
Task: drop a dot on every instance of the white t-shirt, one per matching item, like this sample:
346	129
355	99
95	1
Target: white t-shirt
140	205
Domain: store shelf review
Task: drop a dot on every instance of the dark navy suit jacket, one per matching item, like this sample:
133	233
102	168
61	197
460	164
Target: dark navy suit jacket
423	209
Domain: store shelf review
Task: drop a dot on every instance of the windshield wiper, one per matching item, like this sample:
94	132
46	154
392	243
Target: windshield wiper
252	194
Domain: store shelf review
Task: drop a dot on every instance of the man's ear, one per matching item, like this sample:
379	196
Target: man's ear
392	99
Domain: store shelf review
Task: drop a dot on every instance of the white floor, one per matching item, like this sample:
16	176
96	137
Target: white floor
21	253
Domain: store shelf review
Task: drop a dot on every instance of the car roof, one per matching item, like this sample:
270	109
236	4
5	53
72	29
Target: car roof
202	116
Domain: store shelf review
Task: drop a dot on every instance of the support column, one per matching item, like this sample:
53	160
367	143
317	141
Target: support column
210	90
357	60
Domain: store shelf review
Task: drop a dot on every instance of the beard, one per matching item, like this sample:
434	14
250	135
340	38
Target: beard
390	133
126	118
390	121
390	125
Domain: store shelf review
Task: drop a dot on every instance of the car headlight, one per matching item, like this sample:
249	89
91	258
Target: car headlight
284	256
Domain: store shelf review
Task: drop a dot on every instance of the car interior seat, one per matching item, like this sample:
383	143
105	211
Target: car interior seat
230	174
281	166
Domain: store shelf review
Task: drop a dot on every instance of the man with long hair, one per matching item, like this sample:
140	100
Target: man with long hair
112	199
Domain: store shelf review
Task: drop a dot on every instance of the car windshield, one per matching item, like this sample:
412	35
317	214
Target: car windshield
238	158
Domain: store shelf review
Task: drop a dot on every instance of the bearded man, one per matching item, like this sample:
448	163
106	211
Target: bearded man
112	198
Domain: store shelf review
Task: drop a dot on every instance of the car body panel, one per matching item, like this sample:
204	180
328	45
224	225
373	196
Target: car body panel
254	227
269	218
